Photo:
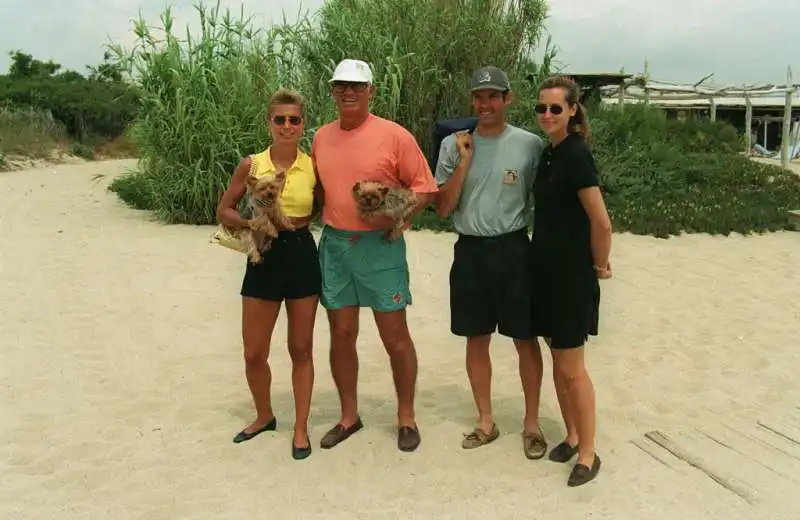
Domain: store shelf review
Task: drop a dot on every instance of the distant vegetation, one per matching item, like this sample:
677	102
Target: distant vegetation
43	109
195	107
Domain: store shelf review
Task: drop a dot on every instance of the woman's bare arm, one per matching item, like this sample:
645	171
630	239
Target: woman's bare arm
227	210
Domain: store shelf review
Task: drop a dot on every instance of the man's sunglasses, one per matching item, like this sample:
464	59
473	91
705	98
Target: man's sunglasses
281	120
341	86
541	108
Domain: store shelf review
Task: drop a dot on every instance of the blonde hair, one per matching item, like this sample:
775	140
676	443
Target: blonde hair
579	123
285	96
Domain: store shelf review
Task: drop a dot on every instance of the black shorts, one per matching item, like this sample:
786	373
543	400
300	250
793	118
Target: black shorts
289	270
490	286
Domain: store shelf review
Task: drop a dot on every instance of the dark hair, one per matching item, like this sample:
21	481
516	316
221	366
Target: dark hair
579	123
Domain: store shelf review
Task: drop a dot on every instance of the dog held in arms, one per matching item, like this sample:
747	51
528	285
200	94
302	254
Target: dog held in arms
267	214
379	199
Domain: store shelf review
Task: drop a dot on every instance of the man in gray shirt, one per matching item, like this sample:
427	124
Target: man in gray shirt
485	180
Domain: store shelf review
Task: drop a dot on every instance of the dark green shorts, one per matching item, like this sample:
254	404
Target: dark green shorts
363	269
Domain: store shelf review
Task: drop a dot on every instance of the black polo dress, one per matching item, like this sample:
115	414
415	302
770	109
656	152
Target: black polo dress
565	288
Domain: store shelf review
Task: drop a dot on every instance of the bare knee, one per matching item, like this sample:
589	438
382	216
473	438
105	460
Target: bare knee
528	348
394	333
255	354
569	371
478	344
300	351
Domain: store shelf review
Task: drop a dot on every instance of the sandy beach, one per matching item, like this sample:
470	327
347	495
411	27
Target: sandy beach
122	382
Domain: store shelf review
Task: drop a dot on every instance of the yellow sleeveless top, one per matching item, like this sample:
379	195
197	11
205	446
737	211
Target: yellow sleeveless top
297	197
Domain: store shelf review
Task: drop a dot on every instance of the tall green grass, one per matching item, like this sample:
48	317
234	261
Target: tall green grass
203	97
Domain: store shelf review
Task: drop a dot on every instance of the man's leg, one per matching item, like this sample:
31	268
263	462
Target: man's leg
513	299
396	338
339	298
472	316
479	371
344	360
382	278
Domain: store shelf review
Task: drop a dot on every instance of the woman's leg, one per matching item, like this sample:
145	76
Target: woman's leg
562	392
302	314
258	321
578	395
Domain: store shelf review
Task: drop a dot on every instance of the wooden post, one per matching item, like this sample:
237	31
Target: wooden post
786	141
621	98
713	110
748	124
646	82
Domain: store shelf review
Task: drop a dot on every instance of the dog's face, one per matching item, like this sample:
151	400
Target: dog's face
369	195
265	190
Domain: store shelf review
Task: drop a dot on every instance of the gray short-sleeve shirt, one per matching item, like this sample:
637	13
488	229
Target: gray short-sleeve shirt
496	195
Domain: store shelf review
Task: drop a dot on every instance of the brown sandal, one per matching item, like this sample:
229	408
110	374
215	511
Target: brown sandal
478	437
534	445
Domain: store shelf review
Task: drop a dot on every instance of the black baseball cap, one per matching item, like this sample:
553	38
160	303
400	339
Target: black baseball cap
491	78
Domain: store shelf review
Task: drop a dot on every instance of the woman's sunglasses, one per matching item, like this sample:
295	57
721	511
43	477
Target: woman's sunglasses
541	108
293	120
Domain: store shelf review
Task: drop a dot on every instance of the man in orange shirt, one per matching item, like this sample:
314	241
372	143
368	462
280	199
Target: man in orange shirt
360	268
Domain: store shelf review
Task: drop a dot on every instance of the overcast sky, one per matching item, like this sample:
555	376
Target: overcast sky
739	41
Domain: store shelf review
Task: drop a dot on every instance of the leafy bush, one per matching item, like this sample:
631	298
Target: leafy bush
27	130
203	102
665	177
85	107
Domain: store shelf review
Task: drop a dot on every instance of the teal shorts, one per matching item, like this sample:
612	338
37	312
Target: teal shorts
363	269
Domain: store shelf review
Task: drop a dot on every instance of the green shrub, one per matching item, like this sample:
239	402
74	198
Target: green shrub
664	177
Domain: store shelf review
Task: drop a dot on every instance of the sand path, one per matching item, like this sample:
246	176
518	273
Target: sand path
121	382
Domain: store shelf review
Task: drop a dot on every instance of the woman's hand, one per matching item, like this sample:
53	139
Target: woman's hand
603	272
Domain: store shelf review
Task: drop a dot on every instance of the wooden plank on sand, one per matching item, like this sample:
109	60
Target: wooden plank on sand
770	440
750	448
686	449
784	426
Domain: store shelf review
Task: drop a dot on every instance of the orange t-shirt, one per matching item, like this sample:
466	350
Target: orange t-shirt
378	150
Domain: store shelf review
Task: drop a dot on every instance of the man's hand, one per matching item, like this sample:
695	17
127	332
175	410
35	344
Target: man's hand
464	144
381	222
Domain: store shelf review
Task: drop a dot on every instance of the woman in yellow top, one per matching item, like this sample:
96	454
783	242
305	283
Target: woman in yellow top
289	272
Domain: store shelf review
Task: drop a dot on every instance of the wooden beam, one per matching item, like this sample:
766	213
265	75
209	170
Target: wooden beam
786	142
713	109
748	124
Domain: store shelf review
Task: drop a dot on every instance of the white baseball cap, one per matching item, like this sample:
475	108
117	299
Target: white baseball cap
354	71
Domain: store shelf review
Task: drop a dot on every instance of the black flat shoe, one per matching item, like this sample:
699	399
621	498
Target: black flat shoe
242	436
301	453
581	474
563	452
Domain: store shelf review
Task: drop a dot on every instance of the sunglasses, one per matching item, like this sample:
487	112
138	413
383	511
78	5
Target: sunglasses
293	120
340	87
541	108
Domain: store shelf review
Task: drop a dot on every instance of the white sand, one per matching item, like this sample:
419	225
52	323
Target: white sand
122	384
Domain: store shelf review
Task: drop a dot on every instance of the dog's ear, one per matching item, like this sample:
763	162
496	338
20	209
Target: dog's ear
357	188
251	181
384	190
280	175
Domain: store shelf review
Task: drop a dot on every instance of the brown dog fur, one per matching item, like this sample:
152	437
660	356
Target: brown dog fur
267	214
379	199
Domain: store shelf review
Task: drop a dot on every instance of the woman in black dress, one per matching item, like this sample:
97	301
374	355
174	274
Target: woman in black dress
570	251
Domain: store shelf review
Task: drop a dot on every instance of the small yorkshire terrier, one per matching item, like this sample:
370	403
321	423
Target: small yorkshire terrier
379	199
267	214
